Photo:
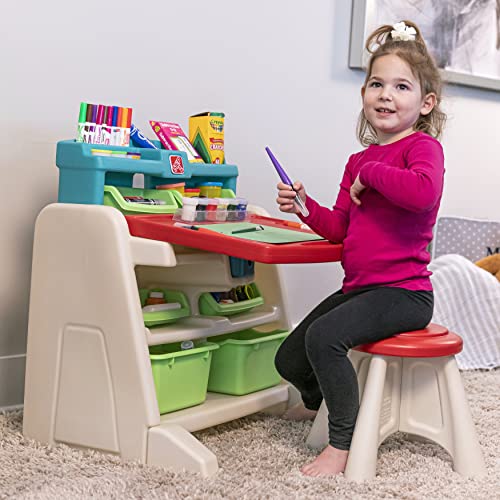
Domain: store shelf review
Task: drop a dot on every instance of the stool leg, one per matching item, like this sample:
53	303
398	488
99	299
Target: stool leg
318	435
360	362
362	461
467	455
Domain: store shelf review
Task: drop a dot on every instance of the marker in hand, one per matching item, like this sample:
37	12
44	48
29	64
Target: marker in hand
284	177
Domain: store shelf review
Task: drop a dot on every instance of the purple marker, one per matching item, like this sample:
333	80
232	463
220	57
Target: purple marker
98	124
93	125
284	177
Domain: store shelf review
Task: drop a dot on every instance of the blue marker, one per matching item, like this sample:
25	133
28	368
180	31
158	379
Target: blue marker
139	139
115	128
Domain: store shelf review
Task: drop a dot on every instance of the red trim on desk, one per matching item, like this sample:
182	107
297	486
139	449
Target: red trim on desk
161	228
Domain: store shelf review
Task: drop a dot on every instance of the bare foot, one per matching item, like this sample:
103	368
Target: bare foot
299	412
329	462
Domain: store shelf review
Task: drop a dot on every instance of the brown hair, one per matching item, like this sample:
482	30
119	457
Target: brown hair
415	54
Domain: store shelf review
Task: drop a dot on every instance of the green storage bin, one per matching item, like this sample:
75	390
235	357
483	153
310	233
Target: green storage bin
114	197
180	376
210	307
244	362
163	317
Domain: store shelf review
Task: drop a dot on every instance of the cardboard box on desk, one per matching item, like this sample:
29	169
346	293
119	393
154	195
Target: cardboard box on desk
172	136
206	133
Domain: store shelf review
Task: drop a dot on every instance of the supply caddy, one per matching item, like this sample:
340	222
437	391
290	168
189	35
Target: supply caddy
85	169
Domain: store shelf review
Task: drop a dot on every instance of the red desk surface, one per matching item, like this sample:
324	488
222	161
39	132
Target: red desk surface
161	228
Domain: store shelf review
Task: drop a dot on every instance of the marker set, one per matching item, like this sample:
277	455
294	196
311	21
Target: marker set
101	124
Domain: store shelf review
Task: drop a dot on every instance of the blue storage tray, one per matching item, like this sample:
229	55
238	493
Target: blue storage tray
82	175
241	267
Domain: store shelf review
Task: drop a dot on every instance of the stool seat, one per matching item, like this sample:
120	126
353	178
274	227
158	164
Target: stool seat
431	342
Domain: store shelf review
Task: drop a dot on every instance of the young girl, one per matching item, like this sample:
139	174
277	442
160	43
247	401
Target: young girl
384	214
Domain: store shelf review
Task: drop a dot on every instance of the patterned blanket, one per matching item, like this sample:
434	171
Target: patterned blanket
467	302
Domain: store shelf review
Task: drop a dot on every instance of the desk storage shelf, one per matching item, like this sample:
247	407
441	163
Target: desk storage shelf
89	380
83	175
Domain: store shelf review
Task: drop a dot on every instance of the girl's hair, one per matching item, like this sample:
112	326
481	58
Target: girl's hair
415	54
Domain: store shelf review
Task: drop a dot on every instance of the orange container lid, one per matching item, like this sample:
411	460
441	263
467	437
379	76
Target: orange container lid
171	186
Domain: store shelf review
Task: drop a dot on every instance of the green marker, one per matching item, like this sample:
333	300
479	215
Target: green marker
81	121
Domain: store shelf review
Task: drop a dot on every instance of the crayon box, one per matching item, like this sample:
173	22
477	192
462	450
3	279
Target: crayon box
206	134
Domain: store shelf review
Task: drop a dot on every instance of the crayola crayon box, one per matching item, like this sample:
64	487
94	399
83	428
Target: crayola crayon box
206	134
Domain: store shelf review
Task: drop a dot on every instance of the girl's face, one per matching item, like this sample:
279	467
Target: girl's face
392	99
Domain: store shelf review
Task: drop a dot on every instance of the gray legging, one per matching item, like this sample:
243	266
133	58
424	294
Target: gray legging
314	356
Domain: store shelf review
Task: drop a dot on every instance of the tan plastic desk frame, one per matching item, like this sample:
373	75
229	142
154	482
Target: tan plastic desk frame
88	375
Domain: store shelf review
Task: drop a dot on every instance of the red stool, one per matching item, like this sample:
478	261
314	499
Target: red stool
409	382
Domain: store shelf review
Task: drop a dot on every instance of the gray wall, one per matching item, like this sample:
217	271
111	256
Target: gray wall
278	69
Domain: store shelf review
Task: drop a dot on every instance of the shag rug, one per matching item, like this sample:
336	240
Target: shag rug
259	457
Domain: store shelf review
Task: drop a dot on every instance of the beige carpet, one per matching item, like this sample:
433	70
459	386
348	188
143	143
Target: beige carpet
259	457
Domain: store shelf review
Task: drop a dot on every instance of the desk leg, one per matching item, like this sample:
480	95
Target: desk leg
170	445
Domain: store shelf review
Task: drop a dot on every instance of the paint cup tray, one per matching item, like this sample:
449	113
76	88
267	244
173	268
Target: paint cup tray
212	217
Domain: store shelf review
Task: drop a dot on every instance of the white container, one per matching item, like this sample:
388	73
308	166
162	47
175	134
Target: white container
189	208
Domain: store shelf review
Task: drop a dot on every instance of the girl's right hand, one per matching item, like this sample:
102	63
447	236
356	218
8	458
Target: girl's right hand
286	196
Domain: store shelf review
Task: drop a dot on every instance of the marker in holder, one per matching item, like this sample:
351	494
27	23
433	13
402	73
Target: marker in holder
284	177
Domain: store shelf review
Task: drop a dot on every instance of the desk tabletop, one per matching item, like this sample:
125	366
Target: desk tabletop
162	228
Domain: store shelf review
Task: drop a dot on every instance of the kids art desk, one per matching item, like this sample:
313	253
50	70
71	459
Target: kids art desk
89	380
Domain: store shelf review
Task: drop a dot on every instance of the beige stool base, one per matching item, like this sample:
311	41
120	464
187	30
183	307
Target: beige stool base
421	396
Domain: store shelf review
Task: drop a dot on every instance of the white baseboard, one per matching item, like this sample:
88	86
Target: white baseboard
12	381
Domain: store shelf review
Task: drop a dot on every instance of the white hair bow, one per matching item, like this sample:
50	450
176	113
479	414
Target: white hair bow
403	32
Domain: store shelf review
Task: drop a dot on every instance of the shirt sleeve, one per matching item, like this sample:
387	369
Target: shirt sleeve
418	186
332	223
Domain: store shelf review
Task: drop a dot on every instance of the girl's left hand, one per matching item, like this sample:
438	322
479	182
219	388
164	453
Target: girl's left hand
355	191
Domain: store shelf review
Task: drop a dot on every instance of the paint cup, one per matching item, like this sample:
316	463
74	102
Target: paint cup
189	208
221	214
242	208
232	209
201	209
211	213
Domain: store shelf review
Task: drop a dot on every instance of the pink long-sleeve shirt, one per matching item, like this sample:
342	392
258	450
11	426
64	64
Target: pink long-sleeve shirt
385	239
